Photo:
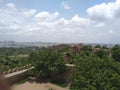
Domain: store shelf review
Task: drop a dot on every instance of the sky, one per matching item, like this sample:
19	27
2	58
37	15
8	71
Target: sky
64	21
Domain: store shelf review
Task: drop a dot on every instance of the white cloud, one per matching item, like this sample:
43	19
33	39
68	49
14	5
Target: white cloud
65	6
29	13
105	11
46	16
100	25
30	25
11	6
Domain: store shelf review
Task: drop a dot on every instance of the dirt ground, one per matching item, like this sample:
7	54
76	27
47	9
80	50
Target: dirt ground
37	86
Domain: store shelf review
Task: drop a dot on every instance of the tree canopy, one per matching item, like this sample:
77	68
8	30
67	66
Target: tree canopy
115	51
93	73
48	63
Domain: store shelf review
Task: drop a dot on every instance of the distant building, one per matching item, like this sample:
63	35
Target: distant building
77	48
60	47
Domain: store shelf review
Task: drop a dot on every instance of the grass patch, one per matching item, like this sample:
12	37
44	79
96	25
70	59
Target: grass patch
22	81
61	84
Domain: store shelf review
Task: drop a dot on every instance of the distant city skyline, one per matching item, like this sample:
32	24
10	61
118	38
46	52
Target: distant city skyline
64	21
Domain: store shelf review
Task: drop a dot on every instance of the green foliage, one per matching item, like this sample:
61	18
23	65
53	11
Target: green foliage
115	51
31	73
87	48
98	46
102	53
22	81
61	84
93	73
95	68
105	47
69	54
48	63
11	58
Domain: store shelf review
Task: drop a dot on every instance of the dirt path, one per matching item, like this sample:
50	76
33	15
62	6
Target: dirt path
37	86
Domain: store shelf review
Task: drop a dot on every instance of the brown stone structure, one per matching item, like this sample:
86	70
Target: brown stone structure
77	48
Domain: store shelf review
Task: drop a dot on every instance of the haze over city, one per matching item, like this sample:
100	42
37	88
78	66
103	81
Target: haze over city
64	21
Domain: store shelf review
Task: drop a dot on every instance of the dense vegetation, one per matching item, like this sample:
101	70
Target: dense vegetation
48	63
115	52
96	74
11	58
95	68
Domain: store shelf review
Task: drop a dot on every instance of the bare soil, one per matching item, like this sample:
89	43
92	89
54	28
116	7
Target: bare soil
37	86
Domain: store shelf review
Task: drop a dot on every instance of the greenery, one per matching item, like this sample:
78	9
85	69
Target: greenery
95	68
48	63
11	58
115	51
61	84
22	81
96	74
102	53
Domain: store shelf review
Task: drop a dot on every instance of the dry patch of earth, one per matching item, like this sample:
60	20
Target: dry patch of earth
37	86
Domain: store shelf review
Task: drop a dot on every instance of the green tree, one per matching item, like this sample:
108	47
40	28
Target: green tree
115	51
95	74
98	46
48	64
102	53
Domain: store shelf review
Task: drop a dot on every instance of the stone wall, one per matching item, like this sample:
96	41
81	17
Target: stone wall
16	78
13	79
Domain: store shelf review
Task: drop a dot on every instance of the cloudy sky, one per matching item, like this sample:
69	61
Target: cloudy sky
84	21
